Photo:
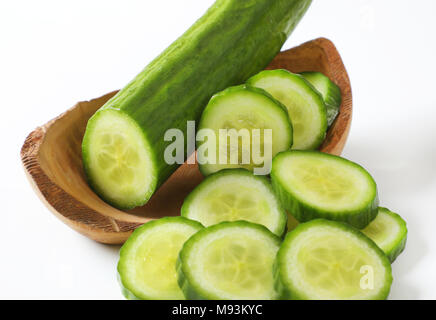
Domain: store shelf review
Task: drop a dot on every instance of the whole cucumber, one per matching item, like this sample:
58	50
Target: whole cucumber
123	147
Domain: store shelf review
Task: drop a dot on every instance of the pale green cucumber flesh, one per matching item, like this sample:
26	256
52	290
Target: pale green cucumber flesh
323	260
235	194
231	42
229	261
147	265
389	231
314	185
118	160
305	105
237	109
330	92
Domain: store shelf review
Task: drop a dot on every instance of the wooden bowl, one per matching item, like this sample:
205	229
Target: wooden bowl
53	162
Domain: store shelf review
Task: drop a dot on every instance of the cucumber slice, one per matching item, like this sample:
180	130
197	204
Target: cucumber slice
329	91
324	259
312	184
235	194
389	232
229	261
304	103
147	265
243	107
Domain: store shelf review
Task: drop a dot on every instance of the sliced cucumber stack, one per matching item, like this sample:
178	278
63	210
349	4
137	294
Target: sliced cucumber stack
313	185
230	260
147	265
329	91
389	232
305	105
324	259
235	194
239	108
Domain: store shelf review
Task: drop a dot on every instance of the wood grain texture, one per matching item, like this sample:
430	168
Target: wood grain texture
52	158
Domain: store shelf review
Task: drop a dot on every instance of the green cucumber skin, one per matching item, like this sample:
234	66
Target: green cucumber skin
332	97
130	293
289	292
231	42
190	292
394	252
243	172
243	87
317	95
304	212
190	289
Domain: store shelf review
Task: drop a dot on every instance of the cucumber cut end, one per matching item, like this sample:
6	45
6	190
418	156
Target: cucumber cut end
235	194
118	160
231	260
324	259
147	265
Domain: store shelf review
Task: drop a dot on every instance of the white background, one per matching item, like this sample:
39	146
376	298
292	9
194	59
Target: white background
55	53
